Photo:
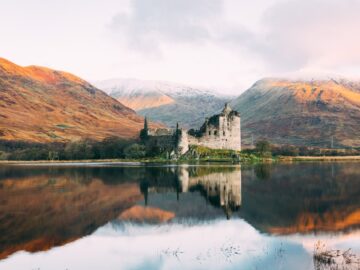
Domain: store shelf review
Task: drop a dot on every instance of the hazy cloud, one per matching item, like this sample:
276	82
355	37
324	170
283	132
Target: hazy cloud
290	36
148	24
212	43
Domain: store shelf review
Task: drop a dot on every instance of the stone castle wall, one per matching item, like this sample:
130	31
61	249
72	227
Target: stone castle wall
222	131
164	142
224	134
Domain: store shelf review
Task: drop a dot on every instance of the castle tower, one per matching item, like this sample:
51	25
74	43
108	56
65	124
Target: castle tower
182	143
229	128
227	109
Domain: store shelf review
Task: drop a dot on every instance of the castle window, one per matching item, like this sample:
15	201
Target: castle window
209	132
224	133
215	132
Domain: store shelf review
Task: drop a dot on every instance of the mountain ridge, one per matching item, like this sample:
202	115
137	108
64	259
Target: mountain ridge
40	104
166	102
301	112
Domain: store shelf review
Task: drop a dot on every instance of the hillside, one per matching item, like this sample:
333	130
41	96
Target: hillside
166	102
302	112
43	105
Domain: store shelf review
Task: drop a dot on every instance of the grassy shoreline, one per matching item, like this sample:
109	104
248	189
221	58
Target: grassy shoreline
319	158
191	161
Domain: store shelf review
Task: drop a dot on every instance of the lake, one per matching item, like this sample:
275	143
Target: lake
103	216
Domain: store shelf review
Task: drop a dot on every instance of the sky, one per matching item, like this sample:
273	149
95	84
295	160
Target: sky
221	44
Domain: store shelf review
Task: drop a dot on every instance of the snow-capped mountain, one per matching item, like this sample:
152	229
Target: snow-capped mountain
165	101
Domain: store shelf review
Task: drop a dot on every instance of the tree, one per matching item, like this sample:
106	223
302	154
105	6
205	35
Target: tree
113	147
263	147
82	149
144	131
53	155
135	151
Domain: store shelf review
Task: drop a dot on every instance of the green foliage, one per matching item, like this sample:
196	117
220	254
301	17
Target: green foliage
29	154
135	151
202	152
53	155
118	148
291	150
109	148
112	147
250	157
263	148
143	135
83	149
287	150
4	155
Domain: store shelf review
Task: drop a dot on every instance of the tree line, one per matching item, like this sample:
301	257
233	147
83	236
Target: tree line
109	148
265	148
119	148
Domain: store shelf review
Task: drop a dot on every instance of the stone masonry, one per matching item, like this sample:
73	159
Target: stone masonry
220	131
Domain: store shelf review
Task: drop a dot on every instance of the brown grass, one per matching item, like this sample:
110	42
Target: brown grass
43	105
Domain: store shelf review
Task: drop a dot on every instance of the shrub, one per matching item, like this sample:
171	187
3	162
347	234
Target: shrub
263	148
135	151
4	155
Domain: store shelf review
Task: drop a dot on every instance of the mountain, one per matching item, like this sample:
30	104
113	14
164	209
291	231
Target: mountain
137	94
43	105
166	102
302	112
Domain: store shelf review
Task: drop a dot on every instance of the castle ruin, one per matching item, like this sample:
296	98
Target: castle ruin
220	131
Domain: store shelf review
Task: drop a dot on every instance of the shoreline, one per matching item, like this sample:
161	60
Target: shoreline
109	162
100	162
319	158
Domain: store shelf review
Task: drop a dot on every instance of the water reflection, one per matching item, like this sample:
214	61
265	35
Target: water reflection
43	207
220	189
303	198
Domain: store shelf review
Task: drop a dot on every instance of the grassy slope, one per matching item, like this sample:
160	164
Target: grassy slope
302	113
43	105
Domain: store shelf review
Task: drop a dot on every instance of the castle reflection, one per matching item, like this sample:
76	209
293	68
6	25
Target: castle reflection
220	189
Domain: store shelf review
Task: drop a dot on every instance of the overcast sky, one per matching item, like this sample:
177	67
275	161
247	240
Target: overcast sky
222	44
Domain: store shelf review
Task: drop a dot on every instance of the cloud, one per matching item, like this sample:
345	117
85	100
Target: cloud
231	43
211	43
148	24
292	35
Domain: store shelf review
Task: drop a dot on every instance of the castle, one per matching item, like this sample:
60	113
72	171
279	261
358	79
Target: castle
220	131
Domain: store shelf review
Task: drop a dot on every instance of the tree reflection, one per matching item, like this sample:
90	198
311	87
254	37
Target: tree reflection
263	171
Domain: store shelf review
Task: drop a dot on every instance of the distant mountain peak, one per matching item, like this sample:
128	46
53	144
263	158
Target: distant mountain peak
131	85
166	102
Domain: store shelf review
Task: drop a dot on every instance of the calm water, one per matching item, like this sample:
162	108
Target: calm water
178	217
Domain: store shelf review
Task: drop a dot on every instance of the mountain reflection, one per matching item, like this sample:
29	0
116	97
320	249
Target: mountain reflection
42	207
303	198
